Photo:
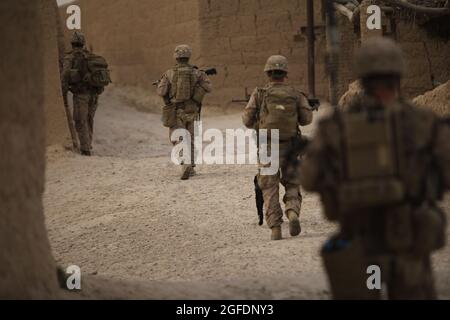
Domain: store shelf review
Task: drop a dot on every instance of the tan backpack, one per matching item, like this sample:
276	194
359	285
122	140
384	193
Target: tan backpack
370	161
279	110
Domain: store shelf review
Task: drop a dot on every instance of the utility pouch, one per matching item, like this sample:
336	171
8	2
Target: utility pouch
371	192
169	115
399	233
346	266
430	229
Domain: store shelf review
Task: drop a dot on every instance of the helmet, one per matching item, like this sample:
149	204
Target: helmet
78	38
379	56
182	51
276	63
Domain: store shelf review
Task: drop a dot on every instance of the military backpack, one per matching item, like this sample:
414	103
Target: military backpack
89	70
279	110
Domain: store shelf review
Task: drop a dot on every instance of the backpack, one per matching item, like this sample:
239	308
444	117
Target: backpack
279	111
98	72
183	83
370	161
89	69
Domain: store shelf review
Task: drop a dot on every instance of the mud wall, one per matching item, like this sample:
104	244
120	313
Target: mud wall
427	57
57	130
27	268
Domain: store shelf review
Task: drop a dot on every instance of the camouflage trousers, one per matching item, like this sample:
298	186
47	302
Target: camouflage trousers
288	176
411	278
84	108
405	275
185	121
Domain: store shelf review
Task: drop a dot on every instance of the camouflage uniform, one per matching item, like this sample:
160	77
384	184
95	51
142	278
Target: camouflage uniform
188	111
398	236
85	99
287	175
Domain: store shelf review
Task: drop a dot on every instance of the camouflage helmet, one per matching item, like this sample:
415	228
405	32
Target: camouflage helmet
78	38
182	51
276	63
379	56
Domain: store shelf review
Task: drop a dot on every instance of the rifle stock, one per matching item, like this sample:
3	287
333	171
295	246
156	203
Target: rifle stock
259	201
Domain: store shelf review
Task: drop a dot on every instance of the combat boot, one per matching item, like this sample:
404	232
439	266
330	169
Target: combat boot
294	223
85	153
276	233
186	171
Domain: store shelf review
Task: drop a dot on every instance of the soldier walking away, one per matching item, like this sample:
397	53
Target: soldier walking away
183	88
380	168
85	75
279	106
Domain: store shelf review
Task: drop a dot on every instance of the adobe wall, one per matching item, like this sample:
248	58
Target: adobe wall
57	130
238	36
427	57
27	268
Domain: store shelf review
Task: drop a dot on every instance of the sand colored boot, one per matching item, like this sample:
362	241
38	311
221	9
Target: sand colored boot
185	171
294	223
276	233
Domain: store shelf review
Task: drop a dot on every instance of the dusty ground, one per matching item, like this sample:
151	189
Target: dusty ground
124	216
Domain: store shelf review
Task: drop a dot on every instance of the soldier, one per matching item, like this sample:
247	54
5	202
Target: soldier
279	106
183	88
85	75
380	166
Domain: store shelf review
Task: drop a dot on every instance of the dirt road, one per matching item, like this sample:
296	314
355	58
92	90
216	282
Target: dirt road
124	215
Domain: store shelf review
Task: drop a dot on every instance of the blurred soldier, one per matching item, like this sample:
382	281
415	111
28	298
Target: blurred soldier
183	88
85	75
279	106
380	167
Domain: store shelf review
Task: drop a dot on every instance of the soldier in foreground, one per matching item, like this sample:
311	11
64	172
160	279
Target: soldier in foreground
380	167
85	75
279	106
183	88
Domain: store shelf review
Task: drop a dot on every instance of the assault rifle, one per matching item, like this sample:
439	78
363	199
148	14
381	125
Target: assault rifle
208	72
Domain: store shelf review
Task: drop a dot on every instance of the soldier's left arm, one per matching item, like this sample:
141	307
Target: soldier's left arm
442	151
305	114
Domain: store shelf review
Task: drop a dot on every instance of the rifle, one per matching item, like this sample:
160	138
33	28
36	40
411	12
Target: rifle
259	201
208	72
